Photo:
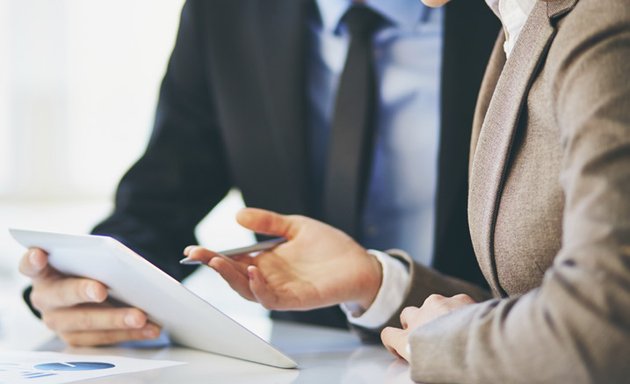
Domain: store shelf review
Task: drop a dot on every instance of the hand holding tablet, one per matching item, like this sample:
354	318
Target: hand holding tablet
190	320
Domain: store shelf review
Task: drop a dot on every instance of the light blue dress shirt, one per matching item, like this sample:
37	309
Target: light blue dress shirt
400	201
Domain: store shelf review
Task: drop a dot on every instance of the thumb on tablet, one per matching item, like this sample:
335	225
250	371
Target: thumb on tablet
34	263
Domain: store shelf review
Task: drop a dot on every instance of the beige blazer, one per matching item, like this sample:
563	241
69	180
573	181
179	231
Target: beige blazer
549	211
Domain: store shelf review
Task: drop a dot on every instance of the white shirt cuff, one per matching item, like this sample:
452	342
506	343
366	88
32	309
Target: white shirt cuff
389	297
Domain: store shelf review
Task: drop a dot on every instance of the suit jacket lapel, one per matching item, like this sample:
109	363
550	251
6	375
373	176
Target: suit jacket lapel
491	153
488	85
282	48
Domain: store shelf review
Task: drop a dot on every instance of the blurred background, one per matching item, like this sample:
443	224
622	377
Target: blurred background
79	82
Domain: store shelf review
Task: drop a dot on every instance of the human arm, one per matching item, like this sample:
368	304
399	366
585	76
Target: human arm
318	266
576	326
396	340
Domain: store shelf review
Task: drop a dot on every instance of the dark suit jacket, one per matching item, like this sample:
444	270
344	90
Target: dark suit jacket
232	114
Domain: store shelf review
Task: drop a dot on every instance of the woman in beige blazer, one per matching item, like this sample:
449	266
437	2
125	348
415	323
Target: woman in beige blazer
549	215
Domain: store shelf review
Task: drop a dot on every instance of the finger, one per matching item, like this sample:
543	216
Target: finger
204	255
435	3
266	222
235	277
196	252
96	338
405	315
34	263
260	289
392	338
243	260
94	319
67	292
239	262
434	299
387	335
463	299
188	249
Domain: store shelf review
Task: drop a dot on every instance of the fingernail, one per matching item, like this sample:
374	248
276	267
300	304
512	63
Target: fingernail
35	261
132	321
151	332
187	249
90	291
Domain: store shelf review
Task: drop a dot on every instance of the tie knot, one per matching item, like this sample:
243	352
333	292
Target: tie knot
362	21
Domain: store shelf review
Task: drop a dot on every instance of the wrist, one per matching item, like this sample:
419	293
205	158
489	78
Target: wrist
372	279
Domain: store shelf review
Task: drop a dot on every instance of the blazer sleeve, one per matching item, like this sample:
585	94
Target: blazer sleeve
423	282
576	326
183	174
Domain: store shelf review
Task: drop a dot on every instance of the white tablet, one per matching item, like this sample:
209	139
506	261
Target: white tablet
189	320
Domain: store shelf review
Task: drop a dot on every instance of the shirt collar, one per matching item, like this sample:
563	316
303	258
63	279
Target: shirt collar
523	4
513	15
404	13
494	6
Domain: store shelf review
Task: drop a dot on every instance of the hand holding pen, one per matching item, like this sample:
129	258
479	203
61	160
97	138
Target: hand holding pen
311	265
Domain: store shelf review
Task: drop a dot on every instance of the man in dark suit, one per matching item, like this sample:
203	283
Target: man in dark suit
247	103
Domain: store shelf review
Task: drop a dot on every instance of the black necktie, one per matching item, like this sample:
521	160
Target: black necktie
352	132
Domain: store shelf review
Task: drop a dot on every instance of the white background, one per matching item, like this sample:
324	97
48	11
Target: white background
79	81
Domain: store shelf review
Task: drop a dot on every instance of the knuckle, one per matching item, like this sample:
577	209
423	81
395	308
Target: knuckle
463	298
407	311
434	299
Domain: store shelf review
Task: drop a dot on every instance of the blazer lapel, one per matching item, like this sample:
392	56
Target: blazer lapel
282	48
493	144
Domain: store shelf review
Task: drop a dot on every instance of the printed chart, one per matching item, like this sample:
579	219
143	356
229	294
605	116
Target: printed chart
51	367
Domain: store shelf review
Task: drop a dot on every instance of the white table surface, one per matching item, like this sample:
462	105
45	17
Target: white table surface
324	356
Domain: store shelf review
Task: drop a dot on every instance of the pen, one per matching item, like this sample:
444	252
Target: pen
258	247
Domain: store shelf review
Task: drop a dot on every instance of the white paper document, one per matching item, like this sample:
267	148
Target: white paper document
51	367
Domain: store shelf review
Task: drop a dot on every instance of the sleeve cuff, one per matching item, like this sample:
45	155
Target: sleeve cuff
396	279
